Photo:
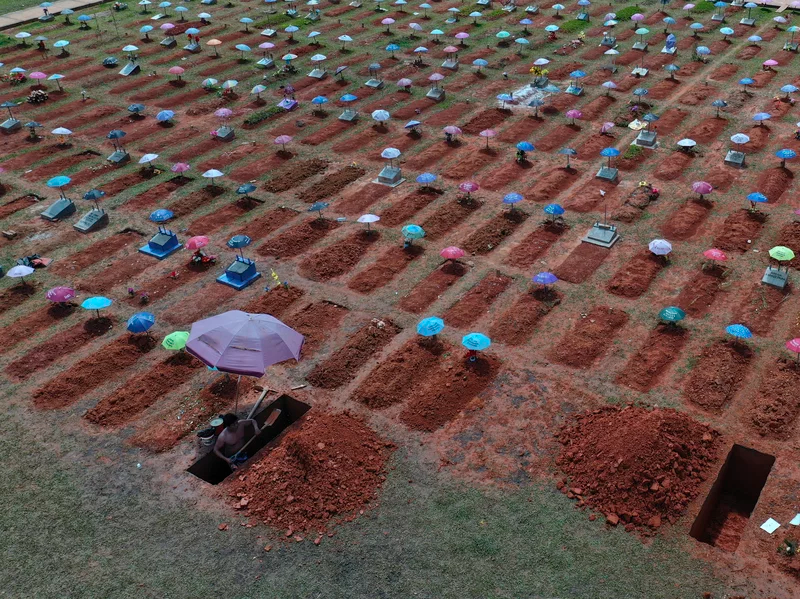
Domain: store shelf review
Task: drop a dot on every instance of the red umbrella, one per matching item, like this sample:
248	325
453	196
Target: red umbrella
195	243
794	346
715	254
454	253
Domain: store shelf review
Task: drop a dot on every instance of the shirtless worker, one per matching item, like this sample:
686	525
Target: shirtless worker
231	439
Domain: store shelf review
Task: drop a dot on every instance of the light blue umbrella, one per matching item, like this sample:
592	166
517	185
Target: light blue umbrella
421	50
696	27
392	48
141	322
739	138
640	91
754	39
165	116
760	117
319	100
502	35
551	28
505	98
192	30
610	153
426	178
161	215
246	21
136	108
59	181
512	198
245	188
476	341
719	104
430	327
577	74
668	21
525	146
738	331
85	18
480	63
412	232
703	51
96	303
672	69
726	31
93	195
348	98
568	152
788	89
61	44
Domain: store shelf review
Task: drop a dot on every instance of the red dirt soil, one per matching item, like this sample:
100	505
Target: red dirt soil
298	239
581	263
535	245
60	345
698	294
774	182
331	184
432	287
718	374
142	391
448	217
293	174
493	232
589	338
759	307
646	366
775	407
738	229
477	301
342	367
12	297
639	467
315	322
326	466
444	393
86	375
99	250
401	211
518	323
686	220
165	431
552	184
634	279
27	326
789	236
391	263
339	258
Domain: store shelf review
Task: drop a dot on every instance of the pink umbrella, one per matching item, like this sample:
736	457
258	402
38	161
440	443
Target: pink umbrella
436	77
180	167
282	140
450	49
242	343
469	187
197	242
770	63
487	133
688	7
637	17
452	130
266	46
454	253
461	35
702	188
405	82
60	295
37	75
387	21
167	27
574	114
715	254
176	71
794	346
606	127
223	113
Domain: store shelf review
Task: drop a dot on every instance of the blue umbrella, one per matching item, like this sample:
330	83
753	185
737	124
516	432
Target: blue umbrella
756	198
785	154
505	98
788	88
59	181
426	178
739	331
430	327
703	50
568	152
551	28
476	341
719	104
116	134
141	322
480	62
61	44
577	74
696	27
93	195
545	278
610	152
319	100
85	18
238	242
512	198
136	108
392	48
412	232
746	81
96	303
161	215
726	31
525	146
760	117
754	39
245	188
348	98
554	209
165	116
640	91
318	207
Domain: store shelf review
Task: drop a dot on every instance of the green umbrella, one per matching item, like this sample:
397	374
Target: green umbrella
672	314
781	253
176	341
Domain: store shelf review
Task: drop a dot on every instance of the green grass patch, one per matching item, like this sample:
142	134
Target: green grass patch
633	152
7	6
625	14
704	7
263	115
573	26
6	40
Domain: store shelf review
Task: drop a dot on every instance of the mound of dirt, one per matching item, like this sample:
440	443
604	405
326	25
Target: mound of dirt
639	467
328	465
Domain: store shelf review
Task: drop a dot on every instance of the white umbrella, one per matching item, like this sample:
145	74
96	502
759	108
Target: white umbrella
61	131
212	174
381	116
147	158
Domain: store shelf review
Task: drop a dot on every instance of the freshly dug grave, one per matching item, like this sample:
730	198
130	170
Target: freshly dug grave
327	466
637	466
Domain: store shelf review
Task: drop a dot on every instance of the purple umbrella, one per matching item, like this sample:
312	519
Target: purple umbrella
242	343
702	187
60	295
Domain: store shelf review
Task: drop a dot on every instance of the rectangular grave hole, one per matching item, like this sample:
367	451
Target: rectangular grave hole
732	498
213	470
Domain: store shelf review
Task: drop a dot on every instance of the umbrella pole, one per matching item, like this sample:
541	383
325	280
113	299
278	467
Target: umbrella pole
236	404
